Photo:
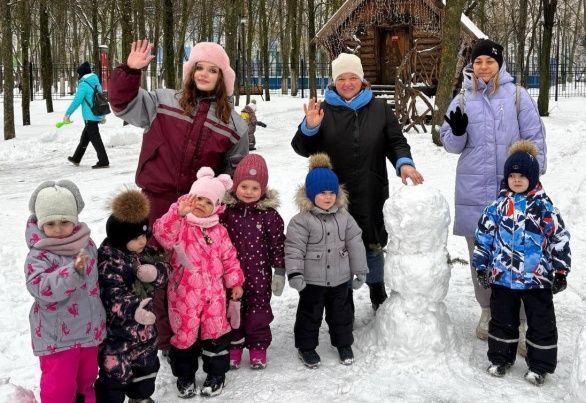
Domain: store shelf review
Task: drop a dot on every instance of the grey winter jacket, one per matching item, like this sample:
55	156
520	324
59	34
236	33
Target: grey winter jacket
67	311
494	124
325	247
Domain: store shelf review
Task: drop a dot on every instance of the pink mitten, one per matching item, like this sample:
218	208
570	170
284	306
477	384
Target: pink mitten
147	273
234	313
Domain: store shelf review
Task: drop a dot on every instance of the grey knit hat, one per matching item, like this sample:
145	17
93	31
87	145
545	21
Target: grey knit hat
56	200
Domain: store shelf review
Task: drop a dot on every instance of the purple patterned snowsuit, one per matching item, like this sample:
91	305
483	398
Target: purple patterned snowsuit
257	232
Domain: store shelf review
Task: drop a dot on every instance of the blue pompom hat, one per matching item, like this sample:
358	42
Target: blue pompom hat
320	178
523	160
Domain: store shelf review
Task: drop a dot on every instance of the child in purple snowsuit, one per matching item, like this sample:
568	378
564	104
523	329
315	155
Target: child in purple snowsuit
257	231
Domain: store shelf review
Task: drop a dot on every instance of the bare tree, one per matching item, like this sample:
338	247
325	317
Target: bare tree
46	60
264	47
168	53
25	34
7	58
311	54
549	9
449	59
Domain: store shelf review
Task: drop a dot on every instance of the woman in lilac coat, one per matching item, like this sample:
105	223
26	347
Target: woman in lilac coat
482	122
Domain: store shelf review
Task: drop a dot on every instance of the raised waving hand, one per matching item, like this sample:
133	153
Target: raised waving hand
140	54
314	114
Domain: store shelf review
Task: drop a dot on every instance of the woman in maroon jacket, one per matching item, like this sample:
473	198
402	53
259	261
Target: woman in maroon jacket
184	130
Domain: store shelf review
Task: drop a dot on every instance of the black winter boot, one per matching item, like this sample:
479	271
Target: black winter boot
378	294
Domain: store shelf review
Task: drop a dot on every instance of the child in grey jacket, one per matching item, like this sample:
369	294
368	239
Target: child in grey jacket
67	318
323	252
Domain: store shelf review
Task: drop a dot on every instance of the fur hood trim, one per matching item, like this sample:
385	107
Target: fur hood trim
305	205
270	200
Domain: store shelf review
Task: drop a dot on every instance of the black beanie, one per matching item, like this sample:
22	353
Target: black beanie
129	219
488	48
84	69
523	160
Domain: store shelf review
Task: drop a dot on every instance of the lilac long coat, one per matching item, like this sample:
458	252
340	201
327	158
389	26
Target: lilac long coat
257	232
493	125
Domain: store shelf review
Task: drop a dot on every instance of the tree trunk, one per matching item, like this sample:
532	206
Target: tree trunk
284	34
125	11
449	59
549	9
7	57
521	31
311	48
141	29
156	38
25	35
264	47
295	42
46	60
168	53
186	14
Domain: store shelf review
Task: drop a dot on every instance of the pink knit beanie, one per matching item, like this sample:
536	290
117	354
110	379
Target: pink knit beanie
212	53
211	187
252	167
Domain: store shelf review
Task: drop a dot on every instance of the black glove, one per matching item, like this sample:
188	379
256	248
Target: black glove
458	121
484	278
261	124
559	283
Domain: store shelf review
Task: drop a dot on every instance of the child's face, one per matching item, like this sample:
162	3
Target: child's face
203	207
248	191
58	229
518	183
325	200
137	244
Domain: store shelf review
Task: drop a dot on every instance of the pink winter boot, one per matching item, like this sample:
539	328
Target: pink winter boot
235	358
258	359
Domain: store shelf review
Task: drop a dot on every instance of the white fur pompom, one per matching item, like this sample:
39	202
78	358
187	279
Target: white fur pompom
226	181
204	172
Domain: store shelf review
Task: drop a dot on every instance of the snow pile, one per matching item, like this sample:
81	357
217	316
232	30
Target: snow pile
11	393
578	374
414	320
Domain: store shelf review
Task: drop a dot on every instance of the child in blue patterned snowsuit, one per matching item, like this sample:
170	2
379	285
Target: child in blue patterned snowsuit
522	252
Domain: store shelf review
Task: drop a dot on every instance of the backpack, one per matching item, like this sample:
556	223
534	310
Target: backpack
245	116
462	99
100	105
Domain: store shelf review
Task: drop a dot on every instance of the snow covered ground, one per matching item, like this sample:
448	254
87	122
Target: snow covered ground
456	375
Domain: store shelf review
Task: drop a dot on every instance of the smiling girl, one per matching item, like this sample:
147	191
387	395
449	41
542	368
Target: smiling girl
204	266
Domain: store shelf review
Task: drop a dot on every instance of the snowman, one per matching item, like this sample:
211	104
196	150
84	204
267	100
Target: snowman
414	322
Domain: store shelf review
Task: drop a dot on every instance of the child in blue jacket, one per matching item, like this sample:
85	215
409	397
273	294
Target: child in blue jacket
522	251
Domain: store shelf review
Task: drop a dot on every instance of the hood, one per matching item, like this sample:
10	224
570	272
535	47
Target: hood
305	205
504	77
270	200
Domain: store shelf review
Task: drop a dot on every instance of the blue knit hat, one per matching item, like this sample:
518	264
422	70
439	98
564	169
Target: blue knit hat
522	160
320	178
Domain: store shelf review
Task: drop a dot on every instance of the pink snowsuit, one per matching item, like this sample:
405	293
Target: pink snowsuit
202	270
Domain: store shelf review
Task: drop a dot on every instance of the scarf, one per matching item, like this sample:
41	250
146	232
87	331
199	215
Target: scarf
69	246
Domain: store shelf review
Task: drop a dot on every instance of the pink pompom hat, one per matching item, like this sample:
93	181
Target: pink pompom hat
211	187
212	53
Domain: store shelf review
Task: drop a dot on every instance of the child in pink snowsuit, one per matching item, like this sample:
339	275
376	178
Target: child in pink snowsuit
67	319
204	265
256	229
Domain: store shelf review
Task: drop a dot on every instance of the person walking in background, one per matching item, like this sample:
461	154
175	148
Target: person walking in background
522	252
205	267
359	133
481	124
67	318
130	271
84	96
184	131
257	231
323	253
248	114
